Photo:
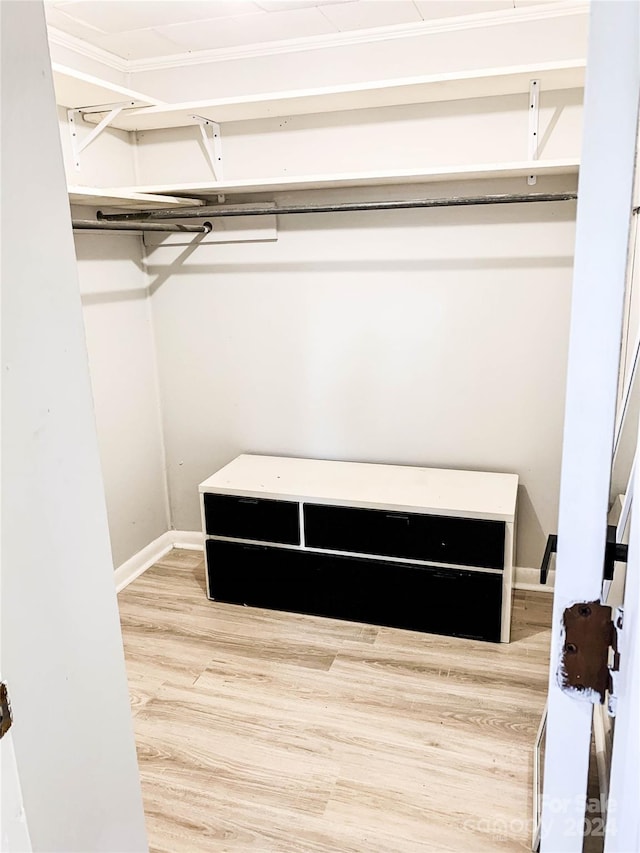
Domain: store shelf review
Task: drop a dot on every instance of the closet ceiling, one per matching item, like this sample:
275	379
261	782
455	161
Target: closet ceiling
144	29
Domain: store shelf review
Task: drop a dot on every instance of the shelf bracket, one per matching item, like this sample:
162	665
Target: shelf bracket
534	91
73	115
210	131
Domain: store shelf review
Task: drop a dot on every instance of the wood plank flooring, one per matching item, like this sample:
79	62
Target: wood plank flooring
280	733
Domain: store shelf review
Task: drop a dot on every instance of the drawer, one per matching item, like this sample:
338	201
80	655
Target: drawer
294	581
252	518
432	538
255	575
454	602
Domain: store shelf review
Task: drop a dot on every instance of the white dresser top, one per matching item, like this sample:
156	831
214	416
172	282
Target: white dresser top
466	494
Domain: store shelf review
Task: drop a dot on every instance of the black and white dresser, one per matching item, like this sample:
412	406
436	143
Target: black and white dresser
425	549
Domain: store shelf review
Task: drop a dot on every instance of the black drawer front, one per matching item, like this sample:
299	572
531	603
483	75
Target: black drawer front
252	518
454	602
433	538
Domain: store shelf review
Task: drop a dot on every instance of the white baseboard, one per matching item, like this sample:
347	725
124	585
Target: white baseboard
529	579
143	560
191	540
154	551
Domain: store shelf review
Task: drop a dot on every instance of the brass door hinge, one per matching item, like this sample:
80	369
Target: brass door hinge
590	657
5	710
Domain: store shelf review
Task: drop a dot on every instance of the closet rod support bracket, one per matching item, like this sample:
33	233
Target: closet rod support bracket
75	115
210	132
534	116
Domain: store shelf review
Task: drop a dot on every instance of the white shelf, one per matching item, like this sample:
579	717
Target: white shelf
75	89
411	90
364	179
125	198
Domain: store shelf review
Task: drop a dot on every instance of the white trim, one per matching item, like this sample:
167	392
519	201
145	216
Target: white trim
190	540
534	587
90	51
143	560
560	9
529	579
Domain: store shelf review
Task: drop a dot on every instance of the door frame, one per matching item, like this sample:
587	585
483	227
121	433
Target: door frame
602	239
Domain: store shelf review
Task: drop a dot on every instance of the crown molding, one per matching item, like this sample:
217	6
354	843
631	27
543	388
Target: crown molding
90	51
559	9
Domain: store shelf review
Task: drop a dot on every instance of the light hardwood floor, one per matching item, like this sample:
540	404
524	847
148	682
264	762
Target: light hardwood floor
281	733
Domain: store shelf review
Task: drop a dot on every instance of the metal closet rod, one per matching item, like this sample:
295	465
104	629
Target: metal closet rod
140	227
340	207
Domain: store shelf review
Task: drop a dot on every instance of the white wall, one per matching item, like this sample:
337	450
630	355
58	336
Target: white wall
61	651
416	337
122	362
